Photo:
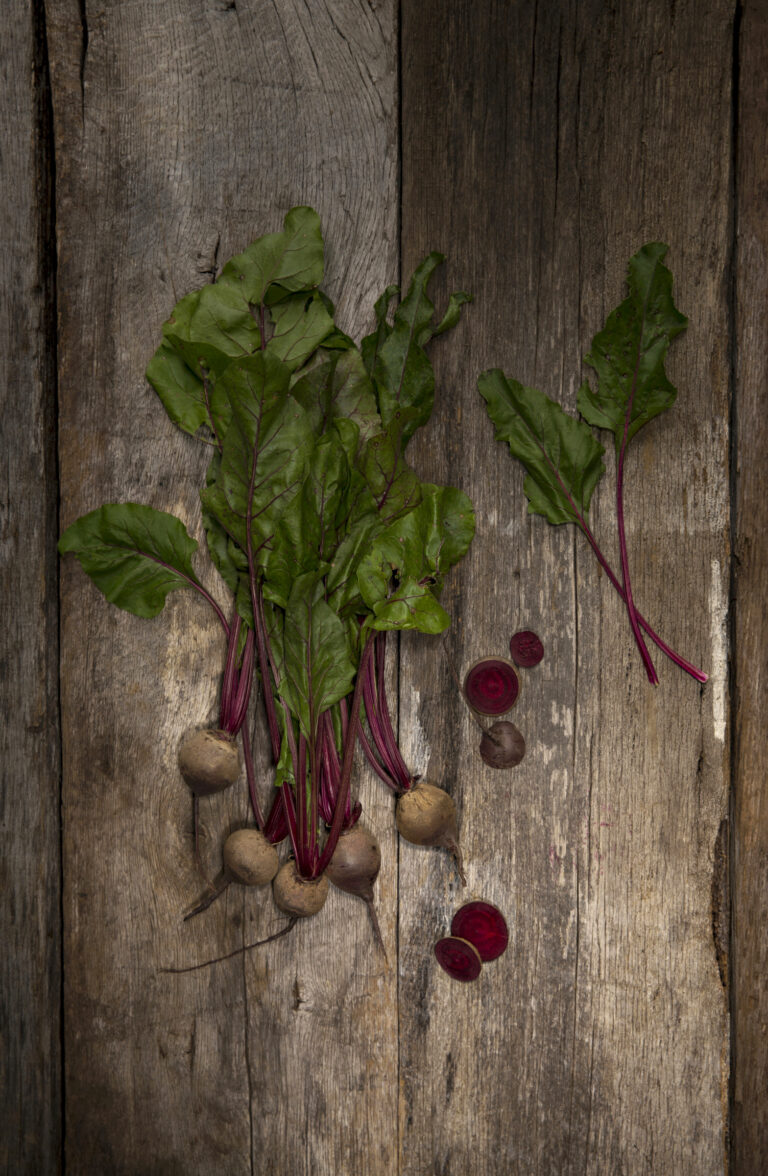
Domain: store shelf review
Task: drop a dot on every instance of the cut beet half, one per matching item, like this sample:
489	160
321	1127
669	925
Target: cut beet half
458	958
526	649
484	926
491	686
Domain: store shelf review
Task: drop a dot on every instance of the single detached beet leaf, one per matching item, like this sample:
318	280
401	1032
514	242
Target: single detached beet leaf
134	554
628	357
563	460
628	354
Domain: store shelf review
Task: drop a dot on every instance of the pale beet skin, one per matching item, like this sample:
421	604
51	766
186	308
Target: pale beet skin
209	762
426	815
249	858
298	896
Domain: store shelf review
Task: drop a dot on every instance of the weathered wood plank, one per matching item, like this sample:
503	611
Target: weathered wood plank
183	132
30	973
541	148
750	653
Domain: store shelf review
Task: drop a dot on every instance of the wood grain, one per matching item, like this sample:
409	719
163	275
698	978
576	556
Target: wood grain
30	974
750	632
541	148
183	132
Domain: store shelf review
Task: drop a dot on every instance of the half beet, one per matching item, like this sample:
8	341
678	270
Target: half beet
526	649
483	926
491	686
459	958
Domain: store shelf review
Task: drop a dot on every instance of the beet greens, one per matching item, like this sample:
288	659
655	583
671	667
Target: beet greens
322	532
561	456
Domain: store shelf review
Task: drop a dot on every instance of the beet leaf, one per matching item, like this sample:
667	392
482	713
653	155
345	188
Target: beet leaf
628	356
134	554
562	458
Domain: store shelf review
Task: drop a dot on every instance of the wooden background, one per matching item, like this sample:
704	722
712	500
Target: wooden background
626	1029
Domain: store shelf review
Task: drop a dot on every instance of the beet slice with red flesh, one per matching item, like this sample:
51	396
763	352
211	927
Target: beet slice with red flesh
526	649
484	926
491	686
459	958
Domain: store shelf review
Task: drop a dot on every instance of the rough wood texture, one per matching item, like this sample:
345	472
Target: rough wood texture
184	131
541	147
30	1053
750	632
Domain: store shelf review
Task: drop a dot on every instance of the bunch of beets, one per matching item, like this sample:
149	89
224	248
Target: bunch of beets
325	538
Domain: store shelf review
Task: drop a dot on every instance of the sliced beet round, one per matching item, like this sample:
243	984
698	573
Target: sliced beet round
491	686
458	958
526	649
483	925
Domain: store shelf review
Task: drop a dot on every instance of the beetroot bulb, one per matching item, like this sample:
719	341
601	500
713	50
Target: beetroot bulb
354	868
502	745
426	815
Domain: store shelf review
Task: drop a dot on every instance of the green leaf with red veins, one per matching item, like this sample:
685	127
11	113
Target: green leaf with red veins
307	534
300	324
371	344
265	454
410	558
628	354
402	372
291	259
562	458
182	390
319	670
391	481
134	554
338	387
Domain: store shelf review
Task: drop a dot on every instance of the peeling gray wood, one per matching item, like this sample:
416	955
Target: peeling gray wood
564	139
30	1024
183	133
750	834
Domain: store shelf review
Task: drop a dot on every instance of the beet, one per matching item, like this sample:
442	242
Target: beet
249	858
426	815
354	868
492	686
526	649
458	958
298	896
209	761
484	926
502	745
